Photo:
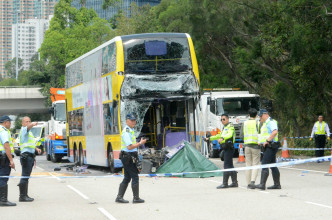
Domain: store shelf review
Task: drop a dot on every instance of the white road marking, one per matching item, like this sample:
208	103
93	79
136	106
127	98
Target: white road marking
316	171
78	192
107	214
325	206
39	168
55	176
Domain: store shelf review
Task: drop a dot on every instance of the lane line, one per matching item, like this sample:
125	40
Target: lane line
78	192
315	171
325	206
106	213
54	176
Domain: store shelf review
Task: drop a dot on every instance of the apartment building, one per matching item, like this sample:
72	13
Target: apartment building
18	11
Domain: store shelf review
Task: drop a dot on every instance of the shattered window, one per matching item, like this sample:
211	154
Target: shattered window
157	55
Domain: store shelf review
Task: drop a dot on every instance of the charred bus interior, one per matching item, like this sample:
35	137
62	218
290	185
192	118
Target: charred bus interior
166	125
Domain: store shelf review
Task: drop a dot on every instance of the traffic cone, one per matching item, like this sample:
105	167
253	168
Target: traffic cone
241	155
330	171
284	152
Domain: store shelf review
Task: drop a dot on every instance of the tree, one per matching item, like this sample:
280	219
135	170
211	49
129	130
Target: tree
10	67
72	33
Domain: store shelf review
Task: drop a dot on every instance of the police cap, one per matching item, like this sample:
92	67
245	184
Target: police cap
262	111
131	116
4	118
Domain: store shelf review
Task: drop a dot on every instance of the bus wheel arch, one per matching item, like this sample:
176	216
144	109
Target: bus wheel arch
110	158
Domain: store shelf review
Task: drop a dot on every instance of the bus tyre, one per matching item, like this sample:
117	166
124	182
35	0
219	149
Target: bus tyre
80	157
110	161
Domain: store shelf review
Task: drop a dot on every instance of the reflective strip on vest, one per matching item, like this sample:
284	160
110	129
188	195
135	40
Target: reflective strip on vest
265	133
250	132
31	142
133	138
11	144
320	130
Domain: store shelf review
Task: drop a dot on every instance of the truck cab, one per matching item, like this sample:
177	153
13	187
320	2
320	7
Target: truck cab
232	102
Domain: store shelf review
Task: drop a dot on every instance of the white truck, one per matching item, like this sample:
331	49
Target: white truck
55	138
235	103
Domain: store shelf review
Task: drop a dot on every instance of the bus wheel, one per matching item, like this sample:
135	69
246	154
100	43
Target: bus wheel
110	161
80	158
75	155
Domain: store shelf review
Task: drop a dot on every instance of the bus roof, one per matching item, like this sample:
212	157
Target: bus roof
129	37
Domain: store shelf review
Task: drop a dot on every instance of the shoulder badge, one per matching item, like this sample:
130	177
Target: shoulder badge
127	129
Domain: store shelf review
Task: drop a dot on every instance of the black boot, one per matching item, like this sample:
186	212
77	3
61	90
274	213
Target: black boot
264	176
24	193
3	197
251	185
135	189
224	181
234	179
276	180
122	190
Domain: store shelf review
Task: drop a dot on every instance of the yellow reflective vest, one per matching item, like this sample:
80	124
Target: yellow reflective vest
133	138
11	144
250	134
265	133
31	142
227	133
320	130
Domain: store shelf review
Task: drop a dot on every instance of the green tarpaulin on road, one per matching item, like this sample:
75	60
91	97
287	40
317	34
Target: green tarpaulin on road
188	159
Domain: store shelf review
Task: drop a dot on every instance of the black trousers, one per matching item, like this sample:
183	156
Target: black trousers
130	170
269	156
4	171
320	141
228	158
27	165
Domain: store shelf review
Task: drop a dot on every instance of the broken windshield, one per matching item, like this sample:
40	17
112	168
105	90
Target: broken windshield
236	106
157	55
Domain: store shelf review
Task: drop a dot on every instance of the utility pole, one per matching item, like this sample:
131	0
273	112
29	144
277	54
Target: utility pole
16	43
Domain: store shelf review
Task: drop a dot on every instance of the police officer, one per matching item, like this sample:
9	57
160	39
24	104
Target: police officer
28	149
129	159
249	134
226	138
6	159
268	139
320	131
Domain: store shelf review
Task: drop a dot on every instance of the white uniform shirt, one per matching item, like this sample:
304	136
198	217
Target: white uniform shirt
326	129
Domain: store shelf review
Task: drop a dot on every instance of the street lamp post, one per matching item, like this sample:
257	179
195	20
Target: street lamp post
16	43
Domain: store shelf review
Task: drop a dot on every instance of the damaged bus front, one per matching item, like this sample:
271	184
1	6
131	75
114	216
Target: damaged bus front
153	75
161	85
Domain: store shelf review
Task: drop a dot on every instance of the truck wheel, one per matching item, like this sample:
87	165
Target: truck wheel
53	156
213	153
48	156
110	161
41	147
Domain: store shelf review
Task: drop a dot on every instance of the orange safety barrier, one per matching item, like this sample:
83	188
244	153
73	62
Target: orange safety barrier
241	155
284	152
330	171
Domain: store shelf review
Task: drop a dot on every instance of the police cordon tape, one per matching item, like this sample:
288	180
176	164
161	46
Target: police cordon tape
305	148
299	137
290	163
